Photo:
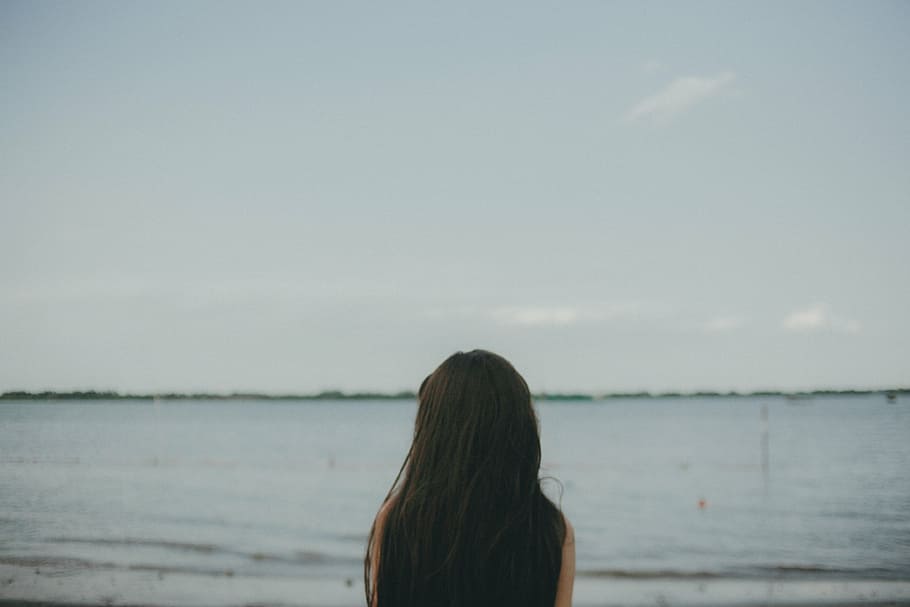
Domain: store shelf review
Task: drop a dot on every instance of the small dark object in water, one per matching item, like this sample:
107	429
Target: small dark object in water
891	396
798	399
348	582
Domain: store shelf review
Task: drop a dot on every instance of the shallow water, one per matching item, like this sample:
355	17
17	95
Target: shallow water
186	500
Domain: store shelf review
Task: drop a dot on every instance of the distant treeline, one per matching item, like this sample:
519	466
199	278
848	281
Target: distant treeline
407	395
110	395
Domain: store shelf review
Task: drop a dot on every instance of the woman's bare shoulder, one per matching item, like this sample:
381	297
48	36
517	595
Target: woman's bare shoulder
567	571
376	542
383	513
381	516
570	531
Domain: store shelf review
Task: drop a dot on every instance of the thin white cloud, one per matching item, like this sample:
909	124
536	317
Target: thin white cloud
571	315
722	324
652	65
818	317
550	315
536	316
82	289
678	96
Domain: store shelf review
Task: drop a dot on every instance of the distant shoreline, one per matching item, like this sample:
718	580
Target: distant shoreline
332	395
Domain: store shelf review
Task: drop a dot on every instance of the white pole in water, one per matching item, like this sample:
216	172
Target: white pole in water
765	467
765	472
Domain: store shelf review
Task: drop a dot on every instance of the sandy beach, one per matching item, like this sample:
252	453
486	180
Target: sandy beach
58	586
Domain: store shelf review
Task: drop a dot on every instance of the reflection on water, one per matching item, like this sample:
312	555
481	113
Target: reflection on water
663	489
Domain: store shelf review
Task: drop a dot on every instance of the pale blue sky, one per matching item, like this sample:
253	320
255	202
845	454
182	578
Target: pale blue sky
295	197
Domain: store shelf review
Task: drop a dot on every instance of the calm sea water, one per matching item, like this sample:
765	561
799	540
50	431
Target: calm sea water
225	502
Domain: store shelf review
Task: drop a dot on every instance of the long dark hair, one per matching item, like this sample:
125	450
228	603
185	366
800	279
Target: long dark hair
465	522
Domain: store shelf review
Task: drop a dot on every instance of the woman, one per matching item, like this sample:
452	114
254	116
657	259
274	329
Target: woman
466	523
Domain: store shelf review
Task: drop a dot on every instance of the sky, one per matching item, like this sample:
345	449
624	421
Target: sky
293	197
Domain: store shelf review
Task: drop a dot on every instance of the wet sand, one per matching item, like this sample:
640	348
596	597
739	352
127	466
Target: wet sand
28	603
64	587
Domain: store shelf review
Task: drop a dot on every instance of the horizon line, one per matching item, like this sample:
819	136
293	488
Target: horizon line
410	394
